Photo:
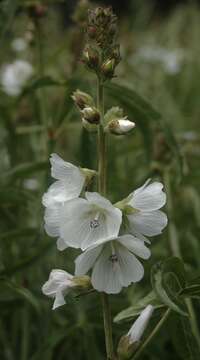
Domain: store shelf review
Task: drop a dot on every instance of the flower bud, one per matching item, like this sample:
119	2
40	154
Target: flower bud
88	126
108	68
129	342
120	126
88	174
82	282
60	283
91	58
82	99
91	114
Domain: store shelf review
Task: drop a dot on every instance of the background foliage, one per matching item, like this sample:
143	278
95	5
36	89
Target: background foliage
158	86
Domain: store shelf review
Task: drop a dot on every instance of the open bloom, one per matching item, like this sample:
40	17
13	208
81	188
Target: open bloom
137	329
144	216
113	262
69	184
59	284
14	76
83	222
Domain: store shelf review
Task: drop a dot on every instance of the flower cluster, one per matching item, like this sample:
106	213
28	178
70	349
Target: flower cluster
111	237
102	53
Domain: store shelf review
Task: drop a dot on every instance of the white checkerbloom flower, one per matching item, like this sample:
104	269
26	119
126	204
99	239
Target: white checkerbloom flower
114	263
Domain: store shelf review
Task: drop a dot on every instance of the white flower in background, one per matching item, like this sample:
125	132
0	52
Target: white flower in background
59	284
14	76
31	184
69	184
171	60
144	216
137	329
113	262
19	44
83	222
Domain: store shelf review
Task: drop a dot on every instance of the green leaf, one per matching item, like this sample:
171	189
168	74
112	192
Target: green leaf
11	290
131	312
18	233
141	107
191	291
183	338
10	196
45	81
168	278
28	261
24	170
173	145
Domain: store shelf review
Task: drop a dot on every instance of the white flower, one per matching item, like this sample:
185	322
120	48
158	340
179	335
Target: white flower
82	222
14	76
137	329
114	263
120	126
59	284
69	184
31	184
19	44
146	219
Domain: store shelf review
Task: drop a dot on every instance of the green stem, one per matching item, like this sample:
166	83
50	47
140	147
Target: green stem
175	250
153	333
102	190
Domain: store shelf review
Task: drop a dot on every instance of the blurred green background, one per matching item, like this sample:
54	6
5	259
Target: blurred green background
158	86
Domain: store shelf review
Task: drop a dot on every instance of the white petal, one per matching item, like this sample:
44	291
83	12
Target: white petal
97	199
105	276
59	300
58	193
86	260
148	223
136	331
58	279
76	228
148	198
110	276
75	225
70	174
135	245
139	235
61	245
52	221
131	268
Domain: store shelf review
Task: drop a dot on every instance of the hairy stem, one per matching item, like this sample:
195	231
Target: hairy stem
102	190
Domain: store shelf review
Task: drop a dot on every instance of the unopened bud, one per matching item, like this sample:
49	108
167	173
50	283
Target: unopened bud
82	282
88	126
108	68
125	349
120	127
82	99
91	114
130	342
92	31
88	174
91	58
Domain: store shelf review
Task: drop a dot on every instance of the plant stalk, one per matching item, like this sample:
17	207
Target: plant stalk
102	190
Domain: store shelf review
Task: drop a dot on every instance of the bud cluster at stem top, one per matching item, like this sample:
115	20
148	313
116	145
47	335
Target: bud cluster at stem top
102	53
